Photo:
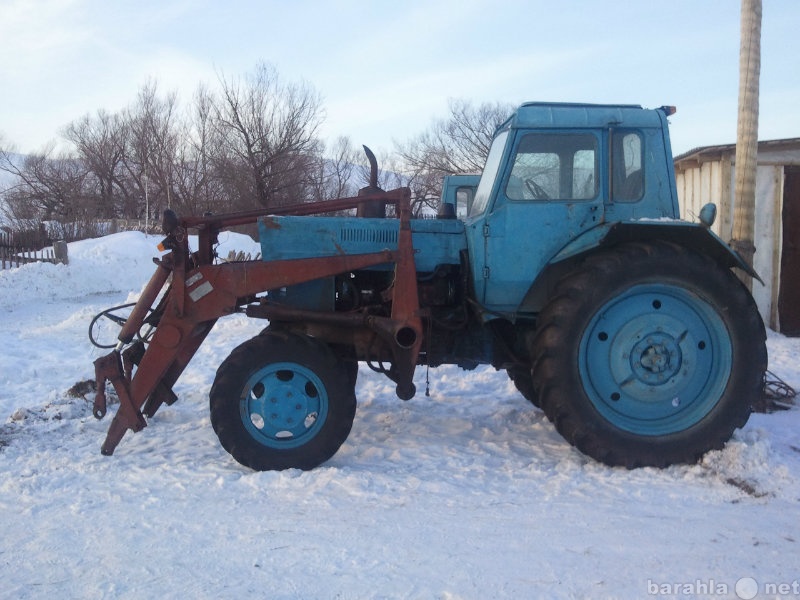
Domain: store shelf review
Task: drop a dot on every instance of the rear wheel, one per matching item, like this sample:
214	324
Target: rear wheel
521	377
282	401
649	355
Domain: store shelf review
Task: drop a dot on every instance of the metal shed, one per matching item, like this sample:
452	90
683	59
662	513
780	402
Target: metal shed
707	175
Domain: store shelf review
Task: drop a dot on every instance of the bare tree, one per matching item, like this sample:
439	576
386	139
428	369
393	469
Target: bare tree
334	174
100	143
253	143
131	155
197	189
48	188
150	148
457	144
266	138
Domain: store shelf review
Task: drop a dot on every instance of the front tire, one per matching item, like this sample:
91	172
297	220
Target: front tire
282	401
649	355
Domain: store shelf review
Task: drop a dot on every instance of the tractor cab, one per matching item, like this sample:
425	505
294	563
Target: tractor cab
555	172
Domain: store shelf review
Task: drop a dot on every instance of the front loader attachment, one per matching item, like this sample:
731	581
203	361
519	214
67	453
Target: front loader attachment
188	293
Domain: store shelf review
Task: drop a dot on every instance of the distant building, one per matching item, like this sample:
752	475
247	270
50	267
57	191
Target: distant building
707	175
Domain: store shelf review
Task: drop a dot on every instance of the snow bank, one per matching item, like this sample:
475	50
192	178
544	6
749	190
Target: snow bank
114	264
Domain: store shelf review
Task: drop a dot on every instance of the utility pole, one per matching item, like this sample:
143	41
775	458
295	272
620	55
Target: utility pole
747	132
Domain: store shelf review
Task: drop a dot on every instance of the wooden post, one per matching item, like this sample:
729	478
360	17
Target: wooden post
60	249
747	132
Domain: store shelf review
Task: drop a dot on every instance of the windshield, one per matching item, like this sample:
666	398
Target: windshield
489	175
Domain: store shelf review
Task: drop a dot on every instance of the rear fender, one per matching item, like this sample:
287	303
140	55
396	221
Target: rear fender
689	235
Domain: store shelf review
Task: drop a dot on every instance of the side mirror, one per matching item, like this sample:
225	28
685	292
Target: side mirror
708	215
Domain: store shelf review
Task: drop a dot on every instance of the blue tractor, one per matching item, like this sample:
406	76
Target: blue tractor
565	263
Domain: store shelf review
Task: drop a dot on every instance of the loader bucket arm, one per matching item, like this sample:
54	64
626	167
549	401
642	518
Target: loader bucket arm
201	292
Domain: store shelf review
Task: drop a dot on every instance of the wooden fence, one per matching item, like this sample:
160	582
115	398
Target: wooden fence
14	252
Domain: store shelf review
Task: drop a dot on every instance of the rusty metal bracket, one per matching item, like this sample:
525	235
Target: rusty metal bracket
109	368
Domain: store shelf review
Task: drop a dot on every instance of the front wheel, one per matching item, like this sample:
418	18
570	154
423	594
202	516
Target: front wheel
282	401
649	355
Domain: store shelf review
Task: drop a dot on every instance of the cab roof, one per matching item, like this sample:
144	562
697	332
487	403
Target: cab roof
566	115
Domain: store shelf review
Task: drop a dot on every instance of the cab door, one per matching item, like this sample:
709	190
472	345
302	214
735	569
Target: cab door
548	191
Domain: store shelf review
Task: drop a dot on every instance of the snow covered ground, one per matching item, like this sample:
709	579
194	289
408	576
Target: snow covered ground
467	494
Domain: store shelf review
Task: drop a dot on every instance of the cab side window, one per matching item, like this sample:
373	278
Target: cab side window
464	198
628	175
554	167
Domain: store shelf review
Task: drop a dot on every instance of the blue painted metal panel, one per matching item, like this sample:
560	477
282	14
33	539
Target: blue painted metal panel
311	295
436	241
560	115
522	241
587	241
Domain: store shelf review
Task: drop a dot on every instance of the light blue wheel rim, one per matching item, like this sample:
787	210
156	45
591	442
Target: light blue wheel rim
655	360
283	405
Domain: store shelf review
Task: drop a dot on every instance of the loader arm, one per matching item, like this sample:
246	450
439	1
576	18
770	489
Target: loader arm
201	292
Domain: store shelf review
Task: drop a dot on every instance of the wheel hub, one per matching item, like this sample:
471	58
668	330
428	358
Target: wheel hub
656	358
286	411
285	406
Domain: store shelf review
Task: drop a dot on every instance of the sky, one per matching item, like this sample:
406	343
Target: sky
386	69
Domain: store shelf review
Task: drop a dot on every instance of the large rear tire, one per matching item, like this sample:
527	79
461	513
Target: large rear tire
649	355
522	380
282	401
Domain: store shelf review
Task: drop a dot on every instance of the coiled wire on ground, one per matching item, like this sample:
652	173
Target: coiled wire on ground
776	394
